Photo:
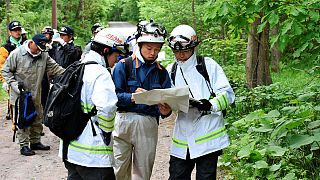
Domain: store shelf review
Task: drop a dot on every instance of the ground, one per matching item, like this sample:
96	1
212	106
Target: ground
46	165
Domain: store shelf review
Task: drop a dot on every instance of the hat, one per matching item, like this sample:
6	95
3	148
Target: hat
47	30
66	30
40	40
13	25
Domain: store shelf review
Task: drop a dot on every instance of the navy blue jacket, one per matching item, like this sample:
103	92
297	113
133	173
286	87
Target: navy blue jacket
147	76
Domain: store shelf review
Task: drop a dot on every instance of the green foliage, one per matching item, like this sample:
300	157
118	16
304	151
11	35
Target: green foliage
275	129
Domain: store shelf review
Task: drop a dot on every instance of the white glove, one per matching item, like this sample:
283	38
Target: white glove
59	40
14	87
5	86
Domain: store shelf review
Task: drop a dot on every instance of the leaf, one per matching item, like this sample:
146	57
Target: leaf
294	11
273	113
296	28
289	109
314	15
317	108
301	49
314	124
261	27
286	26
296	141
273	19
305	97
255	156
290	176
260	165
244	152
276	150
261	129
275	167
315	146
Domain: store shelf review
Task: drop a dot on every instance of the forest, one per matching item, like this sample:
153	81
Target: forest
269	49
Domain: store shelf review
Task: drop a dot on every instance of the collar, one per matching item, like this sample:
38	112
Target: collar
94	56
27	49
15	41
188	64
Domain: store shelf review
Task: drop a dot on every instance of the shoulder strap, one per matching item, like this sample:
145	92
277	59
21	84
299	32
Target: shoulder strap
173	72
128	68
202	69
162	75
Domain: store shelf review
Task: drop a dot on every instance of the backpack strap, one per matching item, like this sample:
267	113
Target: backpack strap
128	67
202	69
162	75
173	72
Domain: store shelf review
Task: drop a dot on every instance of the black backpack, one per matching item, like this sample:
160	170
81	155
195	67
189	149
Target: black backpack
25	111
201	68
63	113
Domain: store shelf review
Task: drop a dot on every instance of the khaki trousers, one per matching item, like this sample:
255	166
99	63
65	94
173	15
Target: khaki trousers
135	139
31	134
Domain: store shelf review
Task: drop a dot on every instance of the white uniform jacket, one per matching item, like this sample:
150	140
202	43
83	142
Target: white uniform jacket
98	89
201	134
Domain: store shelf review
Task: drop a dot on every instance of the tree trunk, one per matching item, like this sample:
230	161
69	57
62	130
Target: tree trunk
257	65
275	52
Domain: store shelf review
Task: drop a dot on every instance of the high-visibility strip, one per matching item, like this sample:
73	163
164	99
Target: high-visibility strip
105	123
86	108
212	135
91	149
222	101
179	143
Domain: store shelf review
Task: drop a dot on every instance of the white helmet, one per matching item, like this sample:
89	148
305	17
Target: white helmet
150	32
112	38
183	37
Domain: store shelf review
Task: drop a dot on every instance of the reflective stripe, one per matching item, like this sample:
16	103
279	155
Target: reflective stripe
212	135
91	149
86	108
222	101
106	124
179	143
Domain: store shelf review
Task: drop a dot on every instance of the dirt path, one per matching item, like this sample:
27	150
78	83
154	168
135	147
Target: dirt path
46	165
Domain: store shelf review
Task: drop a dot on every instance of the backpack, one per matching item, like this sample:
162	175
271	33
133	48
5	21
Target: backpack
25	111
131	76
63	113
202	69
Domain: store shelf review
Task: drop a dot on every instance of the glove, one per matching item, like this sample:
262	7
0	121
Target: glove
14	87
106	136
202	104
5	86
59	40
205	105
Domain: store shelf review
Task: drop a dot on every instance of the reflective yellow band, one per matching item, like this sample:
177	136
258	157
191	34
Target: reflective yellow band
106	124
212	135
91	149
222	101
86	108
179	143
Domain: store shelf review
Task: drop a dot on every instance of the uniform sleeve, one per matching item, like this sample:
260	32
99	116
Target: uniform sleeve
9	68
119	79
3	56
221	86
105	100
53	68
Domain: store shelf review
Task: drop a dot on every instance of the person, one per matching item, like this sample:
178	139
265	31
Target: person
15	40
98	90
27	64
24	34
136	125
66	53
199	135
94	30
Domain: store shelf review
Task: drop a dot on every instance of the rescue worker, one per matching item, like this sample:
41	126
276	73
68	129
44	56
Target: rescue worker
94	30
136	125
15	40
98	90
27	64
66	53
199	135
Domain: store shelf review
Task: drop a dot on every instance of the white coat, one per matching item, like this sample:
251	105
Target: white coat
201	134
98	89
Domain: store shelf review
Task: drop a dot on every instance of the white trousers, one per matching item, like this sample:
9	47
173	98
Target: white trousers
135	139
